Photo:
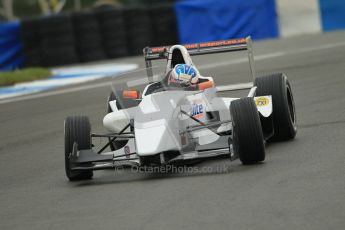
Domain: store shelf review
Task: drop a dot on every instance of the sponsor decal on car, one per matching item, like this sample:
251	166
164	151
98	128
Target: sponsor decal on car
127	151
261	101
197	110
223	43
240	41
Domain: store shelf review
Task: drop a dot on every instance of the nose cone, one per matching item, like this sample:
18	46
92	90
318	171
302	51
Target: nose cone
153	140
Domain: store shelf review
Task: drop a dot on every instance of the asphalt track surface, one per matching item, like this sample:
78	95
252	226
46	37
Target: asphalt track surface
301	185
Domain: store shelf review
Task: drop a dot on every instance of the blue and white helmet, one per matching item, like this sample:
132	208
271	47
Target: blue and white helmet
184	74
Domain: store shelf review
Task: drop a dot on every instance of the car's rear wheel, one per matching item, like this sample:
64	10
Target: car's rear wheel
284	113
77	130
248	141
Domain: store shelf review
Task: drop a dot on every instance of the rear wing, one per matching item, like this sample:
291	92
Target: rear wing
242	44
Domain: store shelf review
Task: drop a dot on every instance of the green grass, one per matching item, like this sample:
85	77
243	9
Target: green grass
29	74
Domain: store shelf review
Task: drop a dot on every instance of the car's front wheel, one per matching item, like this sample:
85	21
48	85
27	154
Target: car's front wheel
77	130
247	137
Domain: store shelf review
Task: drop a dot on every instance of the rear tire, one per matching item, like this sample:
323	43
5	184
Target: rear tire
77	130
284	113
248	141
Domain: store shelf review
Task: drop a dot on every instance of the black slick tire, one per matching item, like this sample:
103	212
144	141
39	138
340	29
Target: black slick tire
77	130
284	113
248	142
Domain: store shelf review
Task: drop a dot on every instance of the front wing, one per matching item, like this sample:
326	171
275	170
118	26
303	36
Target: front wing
126	157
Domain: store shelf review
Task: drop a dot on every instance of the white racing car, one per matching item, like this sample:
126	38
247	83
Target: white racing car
175	117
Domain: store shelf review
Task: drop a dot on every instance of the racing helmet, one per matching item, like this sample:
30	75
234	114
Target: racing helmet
184	74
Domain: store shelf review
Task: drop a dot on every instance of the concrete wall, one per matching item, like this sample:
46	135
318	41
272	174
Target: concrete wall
298	17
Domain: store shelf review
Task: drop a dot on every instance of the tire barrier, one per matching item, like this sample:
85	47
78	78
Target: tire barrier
139	29
100	34
57	40
88	37
113	31
164	25
31	42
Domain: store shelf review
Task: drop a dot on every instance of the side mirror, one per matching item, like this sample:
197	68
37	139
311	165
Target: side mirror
205	85
131	94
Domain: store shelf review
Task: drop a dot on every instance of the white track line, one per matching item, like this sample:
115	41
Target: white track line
209	66
57	92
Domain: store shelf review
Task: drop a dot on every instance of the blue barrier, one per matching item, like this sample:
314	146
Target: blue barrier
332	14
11	48
209	20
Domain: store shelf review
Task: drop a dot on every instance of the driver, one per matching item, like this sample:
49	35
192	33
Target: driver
183	75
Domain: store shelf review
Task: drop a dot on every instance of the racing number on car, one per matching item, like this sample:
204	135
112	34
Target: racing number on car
261	101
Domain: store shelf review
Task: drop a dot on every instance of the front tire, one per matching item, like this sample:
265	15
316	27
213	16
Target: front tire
77	130
284	113
248	141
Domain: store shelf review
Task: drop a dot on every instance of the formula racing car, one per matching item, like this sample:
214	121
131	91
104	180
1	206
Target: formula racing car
177	115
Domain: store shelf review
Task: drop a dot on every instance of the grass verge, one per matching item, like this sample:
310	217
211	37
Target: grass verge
29	74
